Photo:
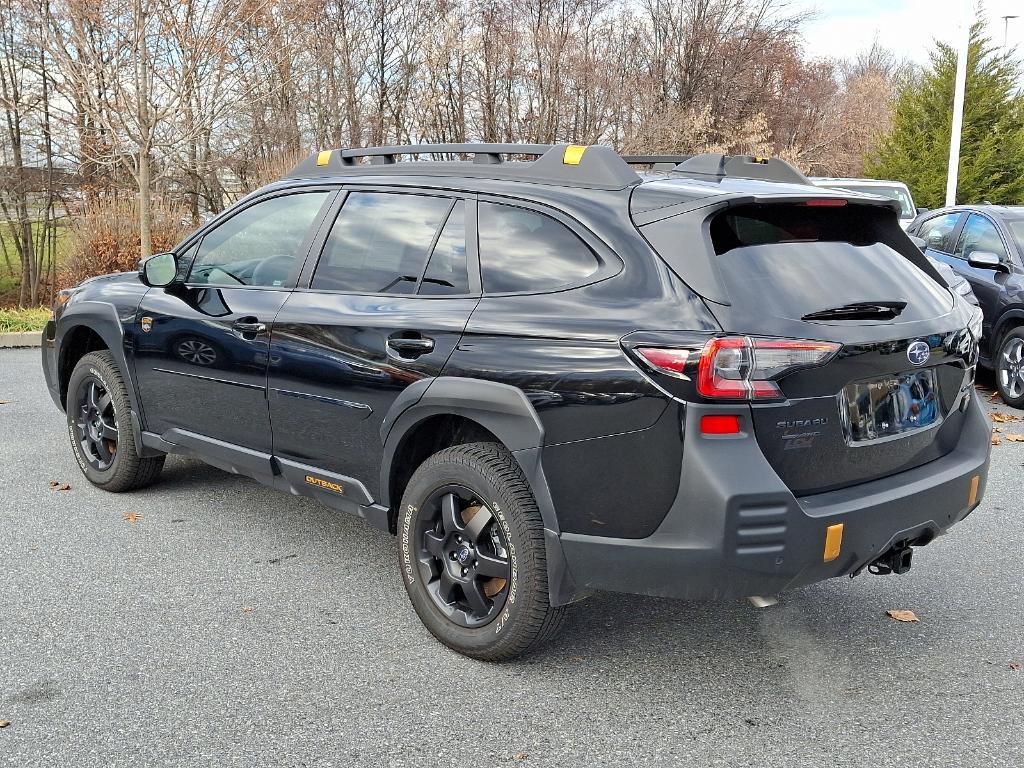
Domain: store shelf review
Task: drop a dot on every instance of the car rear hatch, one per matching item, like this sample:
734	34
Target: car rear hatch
882	388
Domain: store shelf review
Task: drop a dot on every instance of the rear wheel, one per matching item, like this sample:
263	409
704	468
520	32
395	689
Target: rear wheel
1009	367
471	544
99	425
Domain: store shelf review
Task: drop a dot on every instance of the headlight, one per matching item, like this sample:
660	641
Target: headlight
62	298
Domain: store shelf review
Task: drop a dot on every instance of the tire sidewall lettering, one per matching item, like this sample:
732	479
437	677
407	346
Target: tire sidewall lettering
513	586
406	547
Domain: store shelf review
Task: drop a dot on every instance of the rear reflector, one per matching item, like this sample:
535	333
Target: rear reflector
720	425
833	542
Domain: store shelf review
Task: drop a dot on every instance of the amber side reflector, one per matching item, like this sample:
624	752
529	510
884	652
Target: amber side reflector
973	495
833	542
573	154
323	158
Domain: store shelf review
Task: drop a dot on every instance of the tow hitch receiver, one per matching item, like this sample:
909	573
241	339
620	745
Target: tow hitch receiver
895	560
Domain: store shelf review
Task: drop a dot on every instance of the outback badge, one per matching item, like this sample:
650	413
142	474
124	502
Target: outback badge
918	353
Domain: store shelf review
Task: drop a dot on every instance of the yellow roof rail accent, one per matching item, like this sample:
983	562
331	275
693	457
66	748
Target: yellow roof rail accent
573	154
323	158
833	542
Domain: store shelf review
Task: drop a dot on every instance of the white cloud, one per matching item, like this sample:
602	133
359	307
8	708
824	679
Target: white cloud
843	28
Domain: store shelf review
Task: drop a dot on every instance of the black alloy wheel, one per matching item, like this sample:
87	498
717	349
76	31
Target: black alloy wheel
464	557
95	423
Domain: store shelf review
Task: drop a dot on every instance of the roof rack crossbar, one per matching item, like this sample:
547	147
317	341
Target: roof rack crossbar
719	166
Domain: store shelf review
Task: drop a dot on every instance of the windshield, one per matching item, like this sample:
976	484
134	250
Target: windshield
892	191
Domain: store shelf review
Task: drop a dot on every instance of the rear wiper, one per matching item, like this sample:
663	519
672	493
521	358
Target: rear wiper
860	310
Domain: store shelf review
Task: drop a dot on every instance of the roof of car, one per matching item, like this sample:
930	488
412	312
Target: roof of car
672	180
1007	211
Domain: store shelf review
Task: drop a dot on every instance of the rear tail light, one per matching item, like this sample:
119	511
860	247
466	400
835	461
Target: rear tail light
742	367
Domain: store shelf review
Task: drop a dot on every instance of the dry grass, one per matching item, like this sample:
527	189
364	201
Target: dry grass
104	237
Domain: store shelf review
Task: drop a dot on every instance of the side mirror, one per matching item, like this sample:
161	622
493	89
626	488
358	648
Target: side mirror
922	210
158	270
919	242
985	260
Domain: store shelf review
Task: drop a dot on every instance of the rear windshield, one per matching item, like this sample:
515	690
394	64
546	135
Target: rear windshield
891	191
802	258
793	260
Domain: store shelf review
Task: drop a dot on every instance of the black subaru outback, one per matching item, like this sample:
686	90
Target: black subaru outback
549	377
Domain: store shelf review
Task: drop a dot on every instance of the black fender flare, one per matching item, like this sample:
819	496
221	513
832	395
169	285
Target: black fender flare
507	413
1010	317
102	318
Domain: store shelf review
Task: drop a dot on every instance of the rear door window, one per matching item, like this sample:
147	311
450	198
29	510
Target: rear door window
523	251
979	234
937	231
379	242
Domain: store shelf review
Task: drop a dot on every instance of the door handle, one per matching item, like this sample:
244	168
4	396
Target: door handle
249	326
410	347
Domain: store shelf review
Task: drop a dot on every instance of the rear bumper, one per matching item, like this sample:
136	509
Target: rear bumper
736	530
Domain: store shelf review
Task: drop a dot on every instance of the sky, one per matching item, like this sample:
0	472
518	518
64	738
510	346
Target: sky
843	28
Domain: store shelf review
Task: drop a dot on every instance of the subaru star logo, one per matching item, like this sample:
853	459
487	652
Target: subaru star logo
918	353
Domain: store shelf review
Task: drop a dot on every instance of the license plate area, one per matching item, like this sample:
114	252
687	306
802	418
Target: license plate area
890	407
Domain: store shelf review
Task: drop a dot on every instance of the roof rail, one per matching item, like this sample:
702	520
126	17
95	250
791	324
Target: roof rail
719	166
567	164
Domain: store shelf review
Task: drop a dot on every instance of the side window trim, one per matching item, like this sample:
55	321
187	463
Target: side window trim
318	244
609	263
194	242
433	245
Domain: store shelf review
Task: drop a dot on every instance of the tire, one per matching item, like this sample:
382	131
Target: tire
100	428
1009	368
435	533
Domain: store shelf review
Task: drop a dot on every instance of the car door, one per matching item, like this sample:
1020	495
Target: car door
201	347
980	234
382	303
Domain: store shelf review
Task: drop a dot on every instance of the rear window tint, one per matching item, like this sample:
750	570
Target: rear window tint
770	224
524	251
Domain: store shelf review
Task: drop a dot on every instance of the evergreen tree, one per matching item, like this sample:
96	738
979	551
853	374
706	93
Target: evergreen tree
916	150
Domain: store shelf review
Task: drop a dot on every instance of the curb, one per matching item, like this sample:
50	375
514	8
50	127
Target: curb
24	339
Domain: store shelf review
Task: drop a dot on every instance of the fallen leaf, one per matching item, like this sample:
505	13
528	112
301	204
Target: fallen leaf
996	440
997	429
4	723
903	615
57	485
1014	666
992	397
1015	438
246	609
575	658
131	517
1003	418
6	402
519	756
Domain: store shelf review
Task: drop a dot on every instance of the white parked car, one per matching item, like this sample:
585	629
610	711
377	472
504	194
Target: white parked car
895	190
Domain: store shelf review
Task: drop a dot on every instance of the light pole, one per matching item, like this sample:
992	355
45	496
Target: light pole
959	87
1006	28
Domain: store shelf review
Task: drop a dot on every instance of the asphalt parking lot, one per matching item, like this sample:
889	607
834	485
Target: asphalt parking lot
230	625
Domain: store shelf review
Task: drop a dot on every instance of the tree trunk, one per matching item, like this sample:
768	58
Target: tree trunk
145	199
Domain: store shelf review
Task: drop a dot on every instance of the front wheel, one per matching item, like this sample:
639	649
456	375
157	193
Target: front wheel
1009	367
99	425
471	545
